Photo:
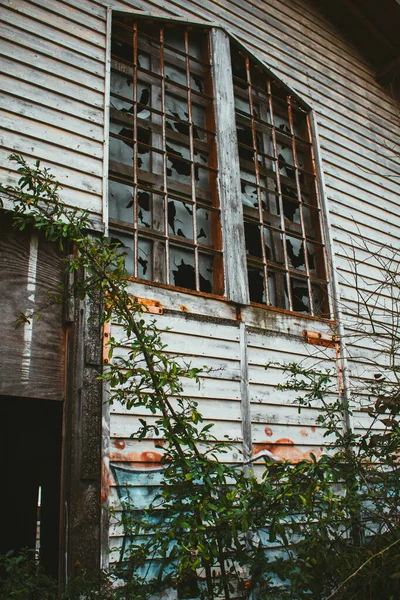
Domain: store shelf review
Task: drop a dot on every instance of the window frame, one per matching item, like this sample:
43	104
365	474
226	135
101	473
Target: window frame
232	219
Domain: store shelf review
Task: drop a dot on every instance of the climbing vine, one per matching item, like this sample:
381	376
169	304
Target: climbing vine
323	529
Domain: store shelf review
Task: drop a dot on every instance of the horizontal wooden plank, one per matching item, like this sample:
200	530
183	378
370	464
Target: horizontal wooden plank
33	59
39	13
187	303
73	14
122	426
47	116
82	196
96	9
46	30
51	81
211	408
30	126
190	325
90	168
50	48
18	90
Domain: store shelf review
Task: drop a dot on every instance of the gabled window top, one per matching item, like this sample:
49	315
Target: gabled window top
172	210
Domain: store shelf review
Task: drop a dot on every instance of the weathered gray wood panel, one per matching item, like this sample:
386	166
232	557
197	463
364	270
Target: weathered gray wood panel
32	356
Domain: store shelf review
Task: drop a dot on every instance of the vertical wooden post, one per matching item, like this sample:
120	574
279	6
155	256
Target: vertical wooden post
236	285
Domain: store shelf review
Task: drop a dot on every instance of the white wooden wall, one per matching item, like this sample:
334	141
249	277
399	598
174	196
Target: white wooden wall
52	57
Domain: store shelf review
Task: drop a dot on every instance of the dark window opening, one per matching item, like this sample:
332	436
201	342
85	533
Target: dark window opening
31	435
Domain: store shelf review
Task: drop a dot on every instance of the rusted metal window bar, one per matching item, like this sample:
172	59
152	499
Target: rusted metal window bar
167	143
289	248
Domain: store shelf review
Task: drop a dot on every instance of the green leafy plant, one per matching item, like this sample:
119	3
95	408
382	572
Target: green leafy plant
326	528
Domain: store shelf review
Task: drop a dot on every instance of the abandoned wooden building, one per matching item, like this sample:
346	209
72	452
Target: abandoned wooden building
242	152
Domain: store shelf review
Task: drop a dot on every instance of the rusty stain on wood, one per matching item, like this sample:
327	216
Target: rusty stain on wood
153	307
320	339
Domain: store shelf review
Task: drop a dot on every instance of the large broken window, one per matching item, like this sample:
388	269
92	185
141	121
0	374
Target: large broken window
162	192
163	198
279	193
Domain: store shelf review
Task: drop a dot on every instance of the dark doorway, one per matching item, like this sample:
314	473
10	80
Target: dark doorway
31	440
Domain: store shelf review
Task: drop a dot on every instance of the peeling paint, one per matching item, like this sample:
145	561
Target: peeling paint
285	449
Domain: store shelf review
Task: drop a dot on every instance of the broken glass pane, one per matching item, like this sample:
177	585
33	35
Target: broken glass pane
143	60
282	123
312	252
202	177
180	219
285	154
175	74
249	188
122	84
204	234
295	253
174	37
178	162
256	284
179	127
196	81
143	158
144	99
121	150
120	198
252	233
272	289
177	106
291	210
182	268
300	158
300	299
273	245
144	259
144	208
288	190
318	296
199	118
206	272
126	107
125	248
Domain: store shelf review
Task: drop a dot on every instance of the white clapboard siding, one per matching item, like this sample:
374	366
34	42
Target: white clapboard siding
53	66
52	97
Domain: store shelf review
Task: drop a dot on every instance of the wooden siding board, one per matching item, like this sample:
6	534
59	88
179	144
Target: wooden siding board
93	8
62	122
16	89
74	14
45	30
51	81
85	81
84	151
40	13
51	48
